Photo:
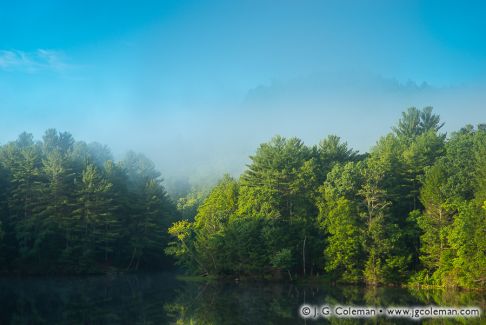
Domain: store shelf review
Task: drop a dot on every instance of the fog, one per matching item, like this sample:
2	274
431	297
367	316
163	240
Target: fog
197	86
200	142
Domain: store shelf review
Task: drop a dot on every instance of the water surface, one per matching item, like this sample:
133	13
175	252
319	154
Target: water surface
164	299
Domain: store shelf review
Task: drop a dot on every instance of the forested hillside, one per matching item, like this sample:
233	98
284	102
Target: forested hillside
67	207
413	210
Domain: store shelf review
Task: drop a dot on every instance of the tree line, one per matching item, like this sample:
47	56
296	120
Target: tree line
67	207
412	210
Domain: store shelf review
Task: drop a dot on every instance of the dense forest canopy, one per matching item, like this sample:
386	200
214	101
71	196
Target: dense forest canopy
67	207
412	210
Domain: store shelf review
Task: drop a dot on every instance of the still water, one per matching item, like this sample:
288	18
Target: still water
165	299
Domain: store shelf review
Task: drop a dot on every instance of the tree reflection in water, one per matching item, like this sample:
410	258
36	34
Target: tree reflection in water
162	299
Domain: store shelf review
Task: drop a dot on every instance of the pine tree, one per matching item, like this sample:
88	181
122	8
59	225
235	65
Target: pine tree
95	225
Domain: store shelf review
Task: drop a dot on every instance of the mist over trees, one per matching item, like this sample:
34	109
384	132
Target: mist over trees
67	207
412	210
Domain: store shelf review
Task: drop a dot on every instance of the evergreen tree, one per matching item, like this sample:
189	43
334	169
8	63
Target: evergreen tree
66	207
95	225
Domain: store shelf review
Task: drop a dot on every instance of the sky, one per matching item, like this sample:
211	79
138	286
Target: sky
197	85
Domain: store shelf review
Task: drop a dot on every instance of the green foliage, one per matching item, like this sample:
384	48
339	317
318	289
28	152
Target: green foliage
189	204
344	252
415	122
183	248
468	241
271	185
93	228
219	206
66	207
410	210
282	259
453	222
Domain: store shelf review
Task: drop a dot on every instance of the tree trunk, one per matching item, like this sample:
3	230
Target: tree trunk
303	255
133	256
290	275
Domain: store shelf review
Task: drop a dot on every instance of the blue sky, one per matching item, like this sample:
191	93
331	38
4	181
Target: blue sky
204	82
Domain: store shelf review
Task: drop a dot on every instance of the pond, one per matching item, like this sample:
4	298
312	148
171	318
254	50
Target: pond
164	298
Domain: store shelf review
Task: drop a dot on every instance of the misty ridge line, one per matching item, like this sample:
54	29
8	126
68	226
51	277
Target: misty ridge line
174	181
189	125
